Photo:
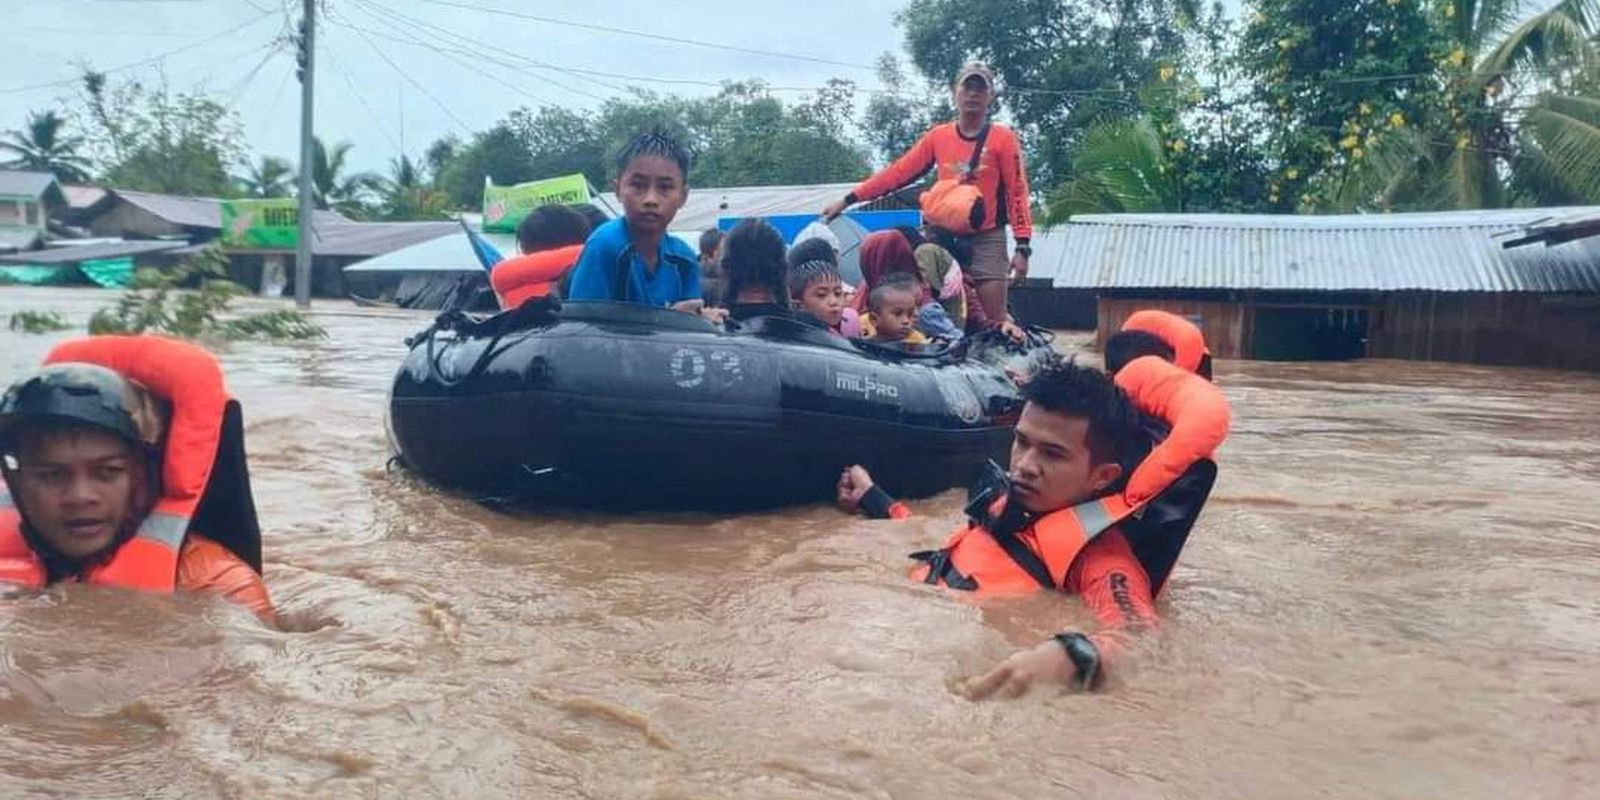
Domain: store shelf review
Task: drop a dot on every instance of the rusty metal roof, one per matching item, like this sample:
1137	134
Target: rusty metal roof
1444	251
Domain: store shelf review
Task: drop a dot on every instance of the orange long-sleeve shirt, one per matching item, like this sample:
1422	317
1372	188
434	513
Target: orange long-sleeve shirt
205	567
1001	177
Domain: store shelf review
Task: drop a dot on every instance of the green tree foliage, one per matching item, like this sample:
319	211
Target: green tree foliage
269	177
41	147
740	136
154	140
1069	63
156	303
406	194
334	187
38	322
1425	105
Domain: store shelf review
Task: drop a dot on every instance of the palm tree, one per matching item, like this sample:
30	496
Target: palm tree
1549	145
42	148
331	188
1120	166
407	196
270	177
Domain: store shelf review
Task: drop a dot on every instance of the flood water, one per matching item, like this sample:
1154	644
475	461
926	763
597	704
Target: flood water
1392	594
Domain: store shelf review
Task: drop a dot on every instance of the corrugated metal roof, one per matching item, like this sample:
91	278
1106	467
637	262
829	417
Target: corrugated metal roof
1444	251
26	184
448	253
76	253
198	212
367	239
190	212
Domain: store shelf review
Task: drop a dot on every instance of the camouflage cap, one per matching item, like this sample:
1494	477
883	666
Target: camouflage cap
90	394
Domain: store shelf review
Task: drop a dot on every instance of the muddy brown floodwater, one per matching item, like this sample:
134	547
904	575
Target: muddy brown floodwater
1393	593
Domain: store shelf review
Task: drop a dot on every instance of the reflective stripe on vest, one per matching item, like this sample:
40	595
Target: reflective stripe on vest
975	560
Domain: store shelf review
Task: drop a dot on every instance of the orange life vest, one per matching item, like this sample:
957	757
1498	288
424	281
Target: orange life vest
976	559
525	277
1187	342
191	380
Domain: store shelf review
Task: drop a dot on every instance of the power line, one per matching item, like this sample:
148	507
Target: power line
344	72
244	83
396	67
656	36
424	29
143	61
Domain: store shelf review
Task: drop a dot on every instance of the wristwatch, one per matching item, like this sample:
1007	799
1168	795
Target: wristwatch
1025	250
1085	658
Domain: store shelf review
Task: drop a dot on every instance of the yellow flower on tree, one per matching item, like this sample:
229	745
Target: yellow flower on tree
1179	145
1349	142
1292	173
1397	120
1166	73
1365	108
1357	153
1458	57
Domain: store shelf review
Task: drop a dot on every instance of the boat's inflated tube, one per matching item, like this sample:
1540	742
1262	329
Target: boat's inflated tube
624	406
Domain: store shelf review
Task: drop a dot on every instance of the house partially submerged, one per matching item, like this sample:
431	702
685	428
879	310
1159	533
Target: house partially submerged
27	202
1435	286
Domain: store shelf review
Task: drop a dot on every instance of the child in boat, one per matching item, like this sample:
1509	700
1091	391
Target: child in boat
634	259
550	238
821	248
892	314
888	254
815	288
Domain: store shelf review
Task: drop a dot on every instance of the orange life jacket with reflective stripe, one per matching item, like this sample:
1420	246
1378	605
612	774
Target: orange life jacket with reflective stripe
1187	342
525	277
191	380
1039	555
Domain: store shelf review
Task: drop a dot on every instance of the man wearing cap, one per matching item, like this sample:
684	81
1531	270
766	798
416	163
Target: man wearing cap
106	476
1000	178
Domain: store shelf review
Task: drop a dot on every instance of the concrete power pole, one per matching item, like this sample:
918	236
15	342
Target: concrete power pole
308	61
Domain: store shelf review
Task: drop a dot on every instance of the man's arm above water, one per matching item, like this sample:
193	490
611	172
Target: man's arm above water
857	492
1116	590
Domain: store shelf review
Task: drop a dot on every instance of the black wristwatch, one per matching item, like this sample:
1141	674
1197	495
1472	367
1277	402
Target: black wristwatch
1085	659
1025	249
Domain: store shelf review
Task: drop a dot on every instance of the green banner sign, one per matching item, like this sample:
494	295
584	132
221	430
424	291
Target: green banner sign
267	224
504	207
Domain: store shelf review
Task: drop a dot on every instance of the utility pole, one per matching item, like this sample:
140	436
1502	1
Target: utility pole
308	61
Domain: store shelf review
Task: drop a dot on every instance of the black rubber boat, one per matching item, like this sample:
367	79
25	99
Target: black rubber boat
623	406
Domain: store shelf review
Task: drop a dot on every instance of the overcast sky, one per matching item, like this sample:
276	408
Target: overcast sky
470	68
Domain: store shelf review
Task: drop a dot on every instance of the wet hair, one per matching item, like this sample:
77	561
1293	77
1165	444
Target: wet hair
1122	348
813	249
1061	386
709	239
655	142
752	256
551	226
891	283
803	275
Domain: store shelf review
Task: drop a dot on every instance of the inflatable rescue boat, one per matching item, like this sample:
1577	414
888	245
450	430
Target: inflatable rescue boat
625	406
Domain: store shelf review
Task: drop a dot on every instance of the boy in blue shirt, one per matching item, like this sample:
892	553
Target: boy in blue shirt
634	259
